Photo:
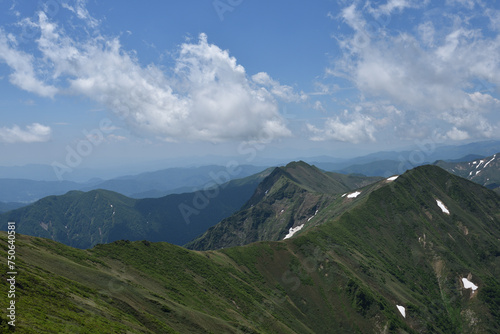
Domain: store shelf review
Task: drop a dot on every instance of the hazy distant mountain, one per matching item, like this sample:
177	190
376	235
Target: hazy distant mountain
4	207
174	180
416	254
397	162
27	191
484	171
83	219
151	184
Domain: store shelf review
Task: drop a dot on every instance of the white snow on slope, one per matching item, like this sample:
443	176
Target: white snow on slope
392	178
292	231
469	285
442	207
494	157
402	310
354	194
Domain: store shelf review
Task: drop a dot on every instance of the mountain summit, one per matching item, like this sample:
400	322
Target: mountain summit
283	203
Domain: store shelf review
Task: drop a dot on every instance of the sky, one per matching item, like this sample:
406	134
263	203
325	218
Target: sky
111	83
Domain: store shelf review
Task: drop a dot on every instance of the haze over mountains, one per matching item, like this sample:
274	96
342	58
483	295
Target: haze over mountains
29	183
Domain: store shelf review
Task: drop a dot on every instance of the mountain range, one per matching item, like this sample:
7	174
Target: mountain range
26	184
414	253
144	185
84	219
484	171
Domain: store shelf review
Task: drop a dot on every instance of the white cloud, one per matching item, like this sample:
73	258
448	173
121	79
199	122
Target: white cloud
81	12
24	75
427	31
494	17
456	134
466	3
209	96
318	106
431	75
283	92
33	133
394	5
359	128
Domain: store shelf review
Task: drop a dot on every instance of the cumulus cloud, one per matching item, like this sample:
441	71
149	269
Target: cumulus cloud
283	92
208	97
33	133
359	128
434	72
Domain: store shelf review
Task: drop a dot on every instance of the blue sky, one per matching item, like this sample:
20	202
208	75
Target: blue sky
100	84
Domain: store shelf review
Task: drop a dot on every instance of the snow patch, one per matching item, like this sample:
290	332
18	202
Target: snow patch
344	195
402	310
292	231
442	207
469	285
354	194
392	178
494	157
313	216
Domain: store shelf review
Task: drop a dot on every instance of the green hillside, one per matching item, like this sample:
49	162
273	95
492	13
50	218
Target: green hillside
84	219
396	246
290	197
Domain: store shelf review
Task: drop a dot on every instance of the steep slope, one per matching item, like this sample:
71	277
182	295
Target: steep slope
285	201
84	219
399	261
484	171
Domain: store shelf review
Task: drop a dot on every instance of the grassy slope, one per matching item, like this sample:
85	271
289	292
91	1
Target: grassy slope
395	247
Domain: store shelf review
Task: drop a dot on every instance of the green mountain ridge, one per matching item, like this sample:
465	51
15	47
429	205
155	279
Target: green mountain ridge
290	197
84	219
406	243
